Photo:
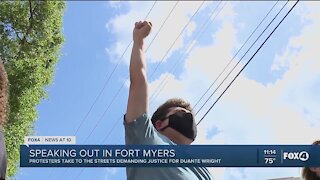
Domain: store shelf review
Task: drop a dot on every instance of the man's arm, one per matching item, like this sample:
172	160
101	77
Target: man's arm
138	93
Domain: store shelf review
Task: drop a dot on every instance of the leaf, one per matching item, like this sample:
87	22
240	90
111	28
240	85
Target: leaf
29	37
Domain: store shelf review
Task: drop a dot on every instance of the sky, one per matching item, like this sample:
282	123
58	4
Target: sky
275	100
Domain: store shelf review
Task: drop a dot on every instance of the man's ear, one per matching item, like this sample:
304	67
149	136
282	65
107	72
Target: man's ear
158	124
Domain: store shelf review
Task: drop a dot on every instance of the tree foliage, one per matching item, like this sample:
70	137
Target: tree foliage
30	42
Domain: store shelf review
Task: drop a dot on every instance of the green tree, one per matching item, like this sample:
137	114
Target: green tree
30	42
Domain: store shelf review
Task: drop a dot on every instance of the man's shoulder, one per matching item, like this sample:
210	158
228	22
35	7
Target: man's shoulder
142	131
142	117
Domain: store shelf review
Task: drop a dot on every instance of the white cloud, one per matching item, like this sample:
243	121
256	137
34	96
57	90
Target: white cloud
199	65
166	93
121	26
302	80
284	112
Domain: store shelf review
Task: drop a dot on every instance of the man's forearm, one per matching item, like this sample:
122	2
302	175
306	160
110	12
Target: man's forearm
137	64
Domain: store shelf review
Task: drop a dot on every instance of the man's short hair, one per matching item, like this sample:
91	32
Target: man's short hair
3	94
162	110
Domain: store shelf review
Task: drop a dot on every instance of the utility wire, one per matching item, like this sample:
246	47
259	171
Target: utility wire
116	122
109	76
164	22
241	58
247	62
119	90
106	83
152	74
119	120
189	48
114	97
174	42
235	55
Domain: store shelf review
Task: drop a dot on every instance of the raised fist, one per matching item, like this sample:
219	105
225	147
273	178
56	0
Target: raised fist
141	30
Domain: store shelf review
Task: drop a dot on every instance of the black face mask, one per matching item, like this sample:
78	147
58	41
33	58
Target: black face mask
184	123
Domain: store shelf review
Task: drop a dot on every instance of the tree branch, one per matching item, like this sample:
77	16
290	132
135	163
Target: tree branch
29	30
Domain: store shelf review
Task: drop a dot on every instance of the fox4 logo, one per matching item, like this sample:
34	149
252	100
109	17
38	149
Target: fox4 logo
302	156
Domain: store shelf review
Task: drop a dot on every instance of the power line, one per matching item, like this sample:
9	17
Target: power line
163	57
248	62
113	127
119	90
189	49
241	58
164	22
109	77
152	73
117	122
107	81
235	55
229	84
165	80
176	39
250	59
114	97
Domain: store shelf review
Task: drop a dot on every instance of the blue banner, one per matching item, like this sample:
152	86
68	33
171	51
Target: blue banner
169	156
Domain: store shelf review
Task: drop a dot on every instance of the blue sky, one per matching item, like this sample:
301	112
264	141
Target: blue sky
272	100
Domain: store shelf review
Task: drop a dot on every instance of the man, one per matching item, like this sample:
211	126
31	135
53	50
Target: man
311	173
173	122
3	113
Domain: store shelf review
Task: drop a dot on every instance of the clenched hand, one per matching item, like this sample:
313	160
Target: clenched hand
141	30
